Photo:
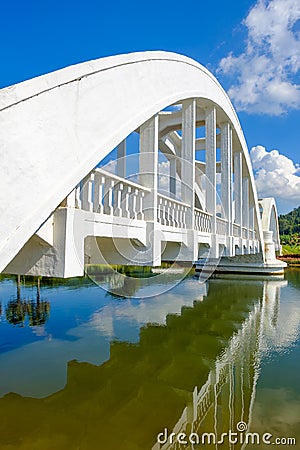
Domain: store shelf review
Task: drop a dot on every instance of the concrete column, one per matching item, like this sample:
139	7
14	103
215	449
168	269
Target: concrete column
251	217
251	224
148	178
270	254
149	164
238	186
188	158
245	200
210	148
226	184
121	161
226	173
172	179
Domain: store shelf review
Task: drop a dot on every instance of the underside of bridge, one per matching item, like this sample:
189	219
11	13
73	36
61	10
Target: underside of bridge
134	160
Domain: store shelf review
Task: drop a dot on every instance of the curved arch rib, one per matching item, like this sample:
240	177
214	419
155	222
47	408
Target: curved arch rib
54	129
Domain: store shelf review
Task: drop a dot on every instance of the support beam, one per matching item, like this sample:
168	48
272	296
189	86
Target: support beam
121	161
226	173
148	177
172	178
188	157
238	186
210	121
245	200
246	204
226	184
149	164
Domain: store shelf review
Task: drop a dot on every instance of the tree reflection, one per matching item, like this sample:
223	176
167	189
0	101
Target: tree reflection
15	312
37	311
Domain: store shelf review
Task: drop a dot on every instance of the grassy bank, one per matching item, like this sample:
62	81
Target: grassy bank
291	254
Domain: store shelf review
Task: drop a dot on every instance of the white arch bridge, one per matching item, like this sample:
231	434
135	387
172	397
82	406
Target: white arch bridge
61	209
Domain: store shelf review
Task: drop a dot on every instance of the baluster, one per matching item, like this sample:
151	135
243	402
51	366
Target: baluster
78	196
184	216
87	193
111	197
162	220
176	215
98	193
180	215
134	201
119	189
141	204
163	209
171	213
127	202
159	215
166	212
108	197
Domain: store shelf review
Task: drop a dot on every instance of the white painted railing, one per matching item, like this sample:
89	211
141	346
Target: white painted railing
236	230
171	212
106	193
221	226
202	220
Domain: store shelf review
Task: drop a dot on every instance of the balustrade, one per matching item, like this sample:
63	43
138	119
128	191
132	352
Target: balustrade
106	193
221	226
202	221
171	212
236	230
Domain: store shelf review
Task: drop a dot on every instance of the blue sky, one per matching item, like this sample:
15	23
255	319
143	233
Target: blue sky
253	47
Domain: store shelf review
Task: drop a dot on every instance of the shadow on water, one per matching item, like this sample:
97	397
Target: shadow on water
182	373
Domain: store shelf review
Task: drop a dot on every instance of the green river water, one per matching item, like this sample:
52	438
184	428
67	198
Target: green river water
216	363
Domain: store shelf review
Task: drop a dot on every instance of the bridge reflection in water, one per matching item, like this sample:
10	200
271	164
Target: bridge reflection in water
225	402
196	373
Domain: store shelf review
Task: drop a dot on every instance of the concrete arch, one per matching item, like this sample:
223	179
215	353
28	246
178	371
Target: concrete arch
54	129
269	219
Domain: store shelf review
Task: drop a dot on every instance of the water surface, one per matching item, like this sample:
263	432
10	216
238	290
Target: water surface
84	369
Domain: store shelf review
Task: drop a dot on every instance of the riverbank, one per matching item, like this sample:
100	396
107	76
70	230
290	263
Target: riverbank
291	259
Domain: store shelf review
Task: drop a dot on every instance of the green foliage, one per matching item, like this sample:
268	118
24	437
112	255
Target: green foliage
290	249
289	224
289	228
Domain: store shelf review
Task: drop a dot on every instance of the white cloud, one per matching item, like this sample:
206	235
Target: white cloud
276	176
266	72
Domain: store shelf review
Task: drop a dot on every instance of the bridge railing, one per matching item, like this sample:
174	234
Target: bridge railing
202	220
221	226
106	193
171	212
236	230
244	233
